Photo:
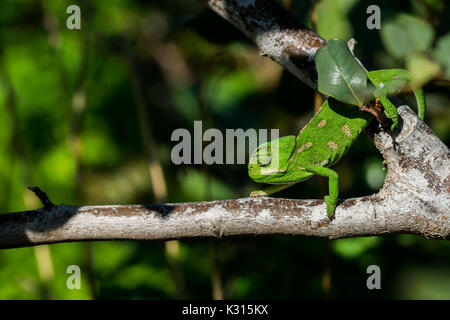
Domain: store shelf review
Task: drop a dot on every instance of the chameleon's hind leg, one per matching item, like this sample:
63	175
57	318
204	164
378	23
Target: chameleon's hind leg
390	111
421	104
333	187
267	191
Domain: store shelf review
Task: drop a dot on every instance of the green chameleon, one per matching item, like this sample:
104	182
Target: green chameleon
331	132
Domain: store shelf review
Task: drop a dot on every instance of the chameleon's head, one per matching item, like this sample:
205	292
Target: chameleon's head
269	161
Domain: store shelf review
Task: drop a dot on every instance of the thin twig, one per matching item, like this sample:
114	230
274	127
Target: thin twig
48	205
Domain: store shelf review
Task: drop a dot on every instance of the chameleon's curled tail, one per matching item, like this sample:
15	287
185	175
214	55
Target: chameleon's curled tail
421	104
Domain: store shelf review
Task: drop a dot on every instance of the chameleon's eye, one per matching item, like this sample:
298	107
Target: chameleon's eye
264	160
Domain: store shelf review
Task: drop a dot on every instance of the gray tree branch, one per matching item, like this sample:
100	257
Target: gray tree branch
414	199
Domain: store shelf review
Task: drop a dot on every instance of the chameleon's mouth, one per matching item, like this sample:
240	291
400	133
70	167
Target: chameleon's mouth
271	171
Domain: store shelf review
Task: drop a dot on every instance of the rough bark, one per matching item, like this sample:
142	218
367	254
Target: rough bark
415	197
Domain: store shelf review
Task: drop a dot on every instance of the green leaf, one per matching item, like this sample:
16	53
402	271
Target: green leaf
332	20
441	53
355	247
405	35
340	75
422	69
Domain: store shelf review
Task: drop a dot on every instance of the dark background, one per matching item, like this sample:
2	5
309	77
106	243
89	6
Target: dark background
80	108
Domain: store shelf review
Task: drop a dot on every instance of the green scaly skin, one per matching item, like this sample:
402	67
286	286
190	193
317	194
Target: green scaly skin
320	144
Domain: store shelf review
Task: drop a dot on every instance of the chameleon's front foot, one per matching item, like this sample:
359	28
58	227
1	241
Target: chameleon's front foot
258	193
394	124
389	110
331	206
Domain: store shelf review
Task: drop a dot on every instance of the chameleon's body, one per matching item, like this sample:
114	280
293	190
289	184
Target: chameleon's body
320	144
334	128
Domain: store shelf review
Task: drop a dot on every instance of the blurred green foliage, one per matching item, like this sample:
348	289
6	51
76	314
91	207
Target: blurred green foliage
70	124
